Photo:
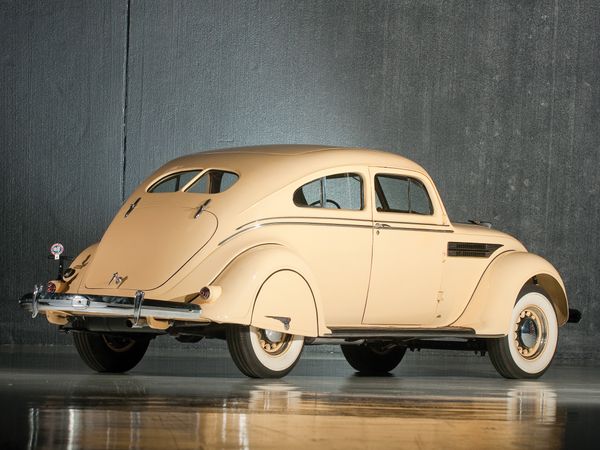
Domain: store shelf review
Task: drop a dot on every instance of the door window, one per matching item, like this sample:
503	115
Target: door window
402	195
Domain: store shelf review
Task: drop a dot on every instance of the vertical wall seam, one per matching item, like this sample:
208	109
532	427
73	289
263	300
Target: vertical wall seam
551	137
125	101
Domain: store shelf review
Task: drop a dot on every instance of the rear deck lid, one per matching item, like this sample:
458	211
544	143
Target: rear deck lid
143	249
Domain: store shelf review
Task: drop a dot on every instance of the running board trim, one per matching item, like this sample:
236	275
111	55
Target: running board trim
372	333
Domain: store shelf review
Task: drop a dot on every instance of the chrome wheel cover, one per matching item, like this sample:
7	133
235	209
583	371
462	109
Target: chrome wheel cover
530	332
274	342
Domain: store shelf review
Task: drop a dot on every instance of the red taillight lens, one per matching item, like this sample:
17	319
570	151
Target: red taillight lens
50	287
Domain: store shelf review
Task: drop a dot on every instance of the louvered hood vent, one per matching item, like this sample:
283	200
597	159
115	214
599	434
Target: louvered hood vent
472	249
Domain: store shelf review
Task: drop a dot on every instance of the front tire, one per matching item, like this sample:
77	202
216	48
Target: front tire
530	344
371	359
110	353
262	353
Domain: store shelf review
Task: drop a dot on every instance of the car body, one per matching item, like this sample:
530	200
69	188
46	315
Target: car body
272	247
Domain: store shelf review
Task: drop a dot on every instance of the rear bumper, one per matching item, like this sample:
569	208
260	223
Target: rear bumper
124	307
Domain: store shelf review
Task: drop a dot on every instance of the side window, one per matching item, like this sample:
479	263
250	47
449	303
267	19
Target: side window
213	182
340	191
419	200
402	195
392	193
343	191
309	194
174	182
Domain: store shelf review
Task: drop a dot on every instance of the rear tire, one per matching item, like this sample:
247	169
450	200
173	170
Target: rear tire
110	353
370	359
262	353
530	344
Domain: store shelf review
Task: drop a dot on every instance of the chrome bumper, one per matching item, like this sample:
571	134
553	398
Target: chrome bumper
92	305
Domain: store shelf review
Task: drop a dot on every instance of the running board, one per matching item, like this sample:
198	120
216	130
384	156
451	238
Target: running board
390	333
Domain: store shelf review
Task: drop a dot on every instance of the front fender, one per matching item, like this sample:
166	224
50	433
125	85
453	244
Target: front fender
260	275
488	312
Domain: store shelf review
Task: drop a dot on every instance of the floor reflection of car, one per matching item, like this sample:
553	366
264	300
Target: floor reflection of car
276	417
276	247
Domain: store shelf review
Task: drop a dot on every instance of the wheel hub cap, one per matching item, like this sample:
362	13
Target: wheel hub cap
274	342
530	332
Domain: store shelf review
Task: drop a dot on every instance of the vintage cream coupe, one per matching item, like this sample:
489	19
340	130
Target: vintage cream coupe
277	247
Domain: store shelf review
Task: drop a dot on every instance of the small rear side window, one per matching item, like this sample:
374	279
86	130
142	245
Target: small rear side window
213	182
339	191
174	182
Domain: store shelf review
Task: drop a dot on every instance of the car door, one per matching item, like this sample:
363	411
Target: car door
409	239
330	227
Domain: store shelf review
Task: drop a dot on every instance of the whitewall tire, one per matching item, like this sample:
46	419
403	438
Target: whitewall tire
532	337
262	353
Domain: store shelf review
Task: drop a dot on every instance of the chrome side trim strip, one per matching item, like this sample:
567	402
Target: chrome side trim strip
338	218
324	224
427	230
239	232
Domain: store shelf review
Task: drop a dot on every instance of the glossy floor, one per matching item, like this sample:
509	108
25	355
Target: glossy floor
197	399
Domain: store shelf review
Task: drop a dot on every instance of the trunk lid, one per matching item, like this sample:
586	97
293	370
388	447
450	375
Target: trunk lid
152	243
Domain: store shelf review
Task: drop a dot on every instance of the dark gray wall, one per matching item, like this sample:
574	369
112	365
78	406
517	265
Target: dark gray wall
499	100
61	137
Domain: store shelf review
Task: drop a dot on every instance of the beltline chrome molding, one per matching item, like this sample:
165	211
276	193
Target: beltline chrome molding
133	308
426	230
366	221
366	224
287	218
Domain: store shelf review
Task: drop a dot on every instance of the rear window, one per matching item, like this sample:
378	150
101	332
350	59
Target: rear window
174	182
213	182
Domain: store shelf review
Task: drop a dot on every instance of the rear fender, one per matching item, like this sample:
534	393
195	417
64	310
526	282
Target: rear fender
490	307
264	286
285	303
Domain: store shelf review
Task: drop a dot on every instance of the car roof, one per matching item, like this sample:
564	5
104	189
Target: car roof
292	159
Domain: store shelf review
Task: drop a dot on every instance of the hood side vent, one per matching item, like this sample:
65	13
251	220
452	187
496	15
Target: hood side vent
472	249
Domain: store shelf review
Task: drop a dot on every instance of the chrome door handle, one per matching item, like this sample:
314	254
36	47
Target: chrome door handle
381	225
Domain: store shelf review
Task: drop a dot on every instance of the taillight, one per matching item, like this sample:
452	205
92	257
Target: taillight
209	294
50	287
205	293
